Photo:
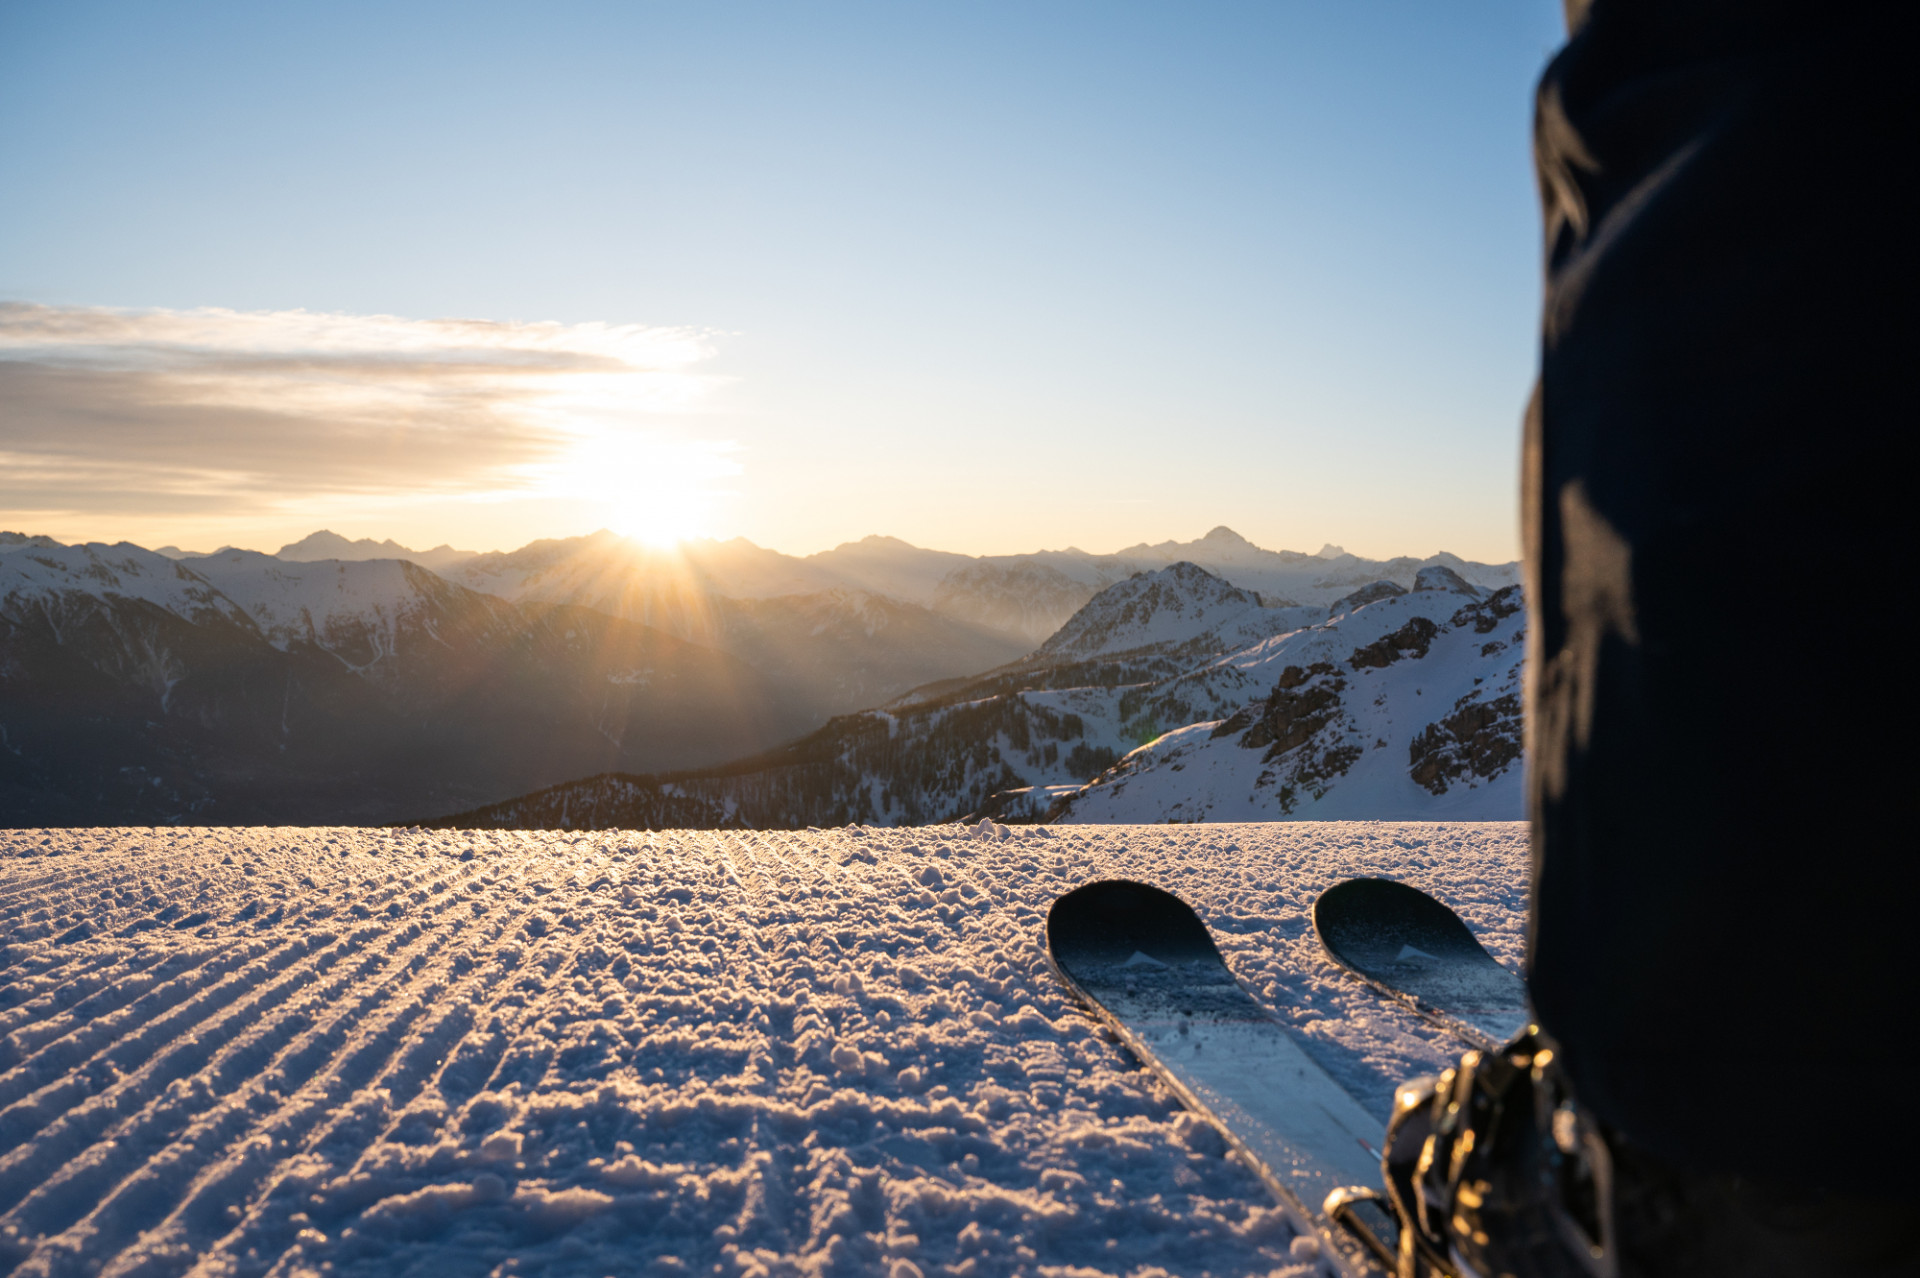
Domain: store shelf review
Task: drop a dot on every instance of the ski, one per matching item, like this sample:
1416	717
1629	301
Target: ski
1144	964
1418	952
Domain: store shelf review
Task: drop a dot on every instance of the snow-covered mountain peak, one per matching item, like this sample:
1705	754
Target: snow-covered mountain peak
37	571
1441	577
1372	592
1220	546
1225	548
1330	551
1408	704
332	603
1173	605
327	544
13	541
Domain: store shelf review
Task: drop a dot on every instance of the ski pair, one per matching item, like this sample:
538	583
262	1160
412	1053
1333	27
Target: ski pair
1145	964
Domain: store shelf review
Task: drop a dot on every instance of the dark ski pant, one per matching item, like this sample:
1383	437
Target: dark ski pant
1725	935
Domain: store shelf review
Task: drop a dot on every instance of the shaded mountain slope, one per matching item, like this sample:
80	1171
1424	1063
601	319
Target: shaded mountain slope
136	689
842	650
830	645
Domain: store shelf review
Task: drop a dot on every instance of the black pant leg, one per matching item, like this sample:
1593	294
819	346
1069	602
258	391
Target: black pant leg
1720	703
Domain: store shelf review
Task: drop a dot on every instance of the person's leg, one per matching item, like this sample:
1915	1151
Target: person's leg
1721	736
1720	715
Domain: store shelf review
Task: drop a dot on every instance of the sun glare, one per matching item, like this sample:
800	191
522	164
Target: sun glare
659	518
655	491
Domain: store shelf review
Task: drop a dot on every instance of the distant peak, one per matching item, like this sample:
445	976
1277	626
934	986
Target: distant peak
1330	551
325	537
1441	577
33	540
327	544
315	545
1373	592
1228	535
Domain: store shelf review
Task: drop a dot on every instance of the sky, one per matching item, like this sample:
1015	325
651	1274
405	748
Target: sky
988	277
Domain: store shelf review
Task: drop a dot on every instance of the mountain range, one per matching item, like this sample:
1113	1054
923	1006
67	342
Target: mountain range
1023	597
361	681
1172	696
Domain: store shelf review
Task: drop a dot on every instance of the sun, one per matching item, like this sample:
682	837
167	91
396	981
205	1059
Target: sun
659	492
659	517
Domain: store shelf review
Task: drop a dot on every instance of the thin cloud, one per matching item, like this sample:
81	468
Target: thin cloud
106	411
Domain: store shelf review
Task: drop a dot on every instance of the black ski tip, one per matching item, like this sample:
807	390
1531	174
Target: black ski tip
1110	920
1364	923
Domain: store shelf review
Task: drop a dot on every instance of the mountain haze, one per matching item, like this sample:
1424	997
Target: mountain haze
137	688
331	545
834	645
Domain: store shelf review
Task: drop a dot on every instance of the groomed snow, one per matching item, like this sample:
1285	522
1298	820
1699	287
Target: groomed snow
347	1052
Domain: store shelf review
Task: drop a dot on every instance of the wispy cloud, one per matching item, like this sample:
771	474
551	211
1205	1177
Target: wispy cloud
121	412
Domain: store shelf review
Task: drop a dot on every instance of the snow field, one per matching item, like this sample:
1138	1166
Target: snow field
290	1052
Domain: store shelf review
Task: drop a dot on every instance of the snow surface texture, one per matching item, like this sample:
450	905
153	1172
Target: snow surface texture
312	1051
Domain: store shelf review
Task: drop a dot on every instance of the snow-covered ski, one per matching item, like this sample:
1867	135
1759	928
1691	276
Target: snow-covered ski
1144	963
1415	950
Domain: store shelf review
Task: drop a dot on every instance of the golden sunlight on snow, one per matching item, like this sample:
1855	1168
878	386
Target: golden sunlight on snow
363	1052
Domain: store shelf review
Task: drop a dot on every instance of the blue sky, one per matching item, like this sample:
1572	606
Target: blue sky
988	277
